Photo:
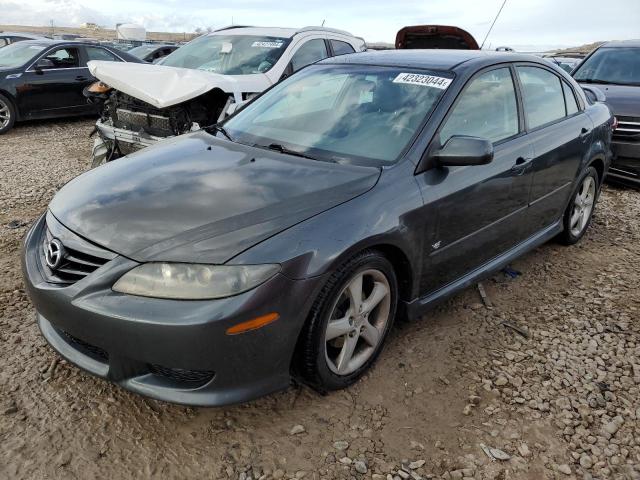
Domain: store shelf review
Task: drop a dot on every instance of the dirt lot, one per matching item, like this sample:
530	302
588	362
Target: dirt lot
560	399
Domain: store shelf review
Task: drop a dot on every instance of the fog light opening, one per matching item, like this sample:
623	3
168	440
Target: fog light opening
253	324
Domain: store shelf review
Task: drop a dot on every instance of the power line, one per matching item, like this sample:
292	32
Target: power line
494	22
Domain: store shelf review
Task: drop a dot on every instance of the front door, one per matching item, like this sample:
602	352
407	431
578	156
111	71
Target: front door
480	210
56	85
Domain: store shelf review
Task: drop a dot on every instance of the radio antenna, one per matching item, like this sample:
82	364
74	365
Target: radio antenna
494	22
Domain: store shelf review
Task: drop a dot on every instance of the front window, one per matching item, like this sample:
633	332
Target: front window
487	109
18	54
360	114
229	54
619	66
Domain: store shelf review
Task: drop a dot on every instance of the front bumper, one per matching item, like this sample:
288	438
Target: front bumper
625	166
175	351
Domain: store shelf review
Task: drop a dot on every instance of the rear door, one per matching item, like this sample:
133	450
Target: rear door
560	133
481	210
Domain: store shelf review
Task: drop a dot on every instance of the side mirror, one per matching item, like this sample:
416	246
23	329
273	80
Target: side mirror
464	151
44	64
594	94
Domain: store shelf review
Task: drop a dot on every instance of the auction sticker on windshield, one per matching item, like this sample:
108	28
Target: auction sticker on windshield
424	80
267	44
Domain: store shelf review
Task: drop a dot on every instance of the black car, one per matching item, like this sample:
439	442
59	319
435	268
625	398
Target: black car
151	53
211	268
45	79
615	69
7	38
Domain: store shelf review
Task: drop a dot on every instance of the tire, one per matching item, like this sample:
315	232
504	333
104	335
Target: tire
7	114
579	212
321	359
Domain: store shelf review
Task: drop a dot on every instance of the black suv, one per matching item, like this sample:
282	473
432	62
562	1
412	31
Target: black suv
615	68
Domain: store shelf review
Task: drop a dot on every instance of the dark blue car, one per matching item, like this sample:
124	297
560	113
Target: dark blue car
215	267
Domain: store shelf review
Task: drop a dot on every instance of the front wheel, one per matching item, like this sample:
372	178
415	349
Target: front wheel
348	323
577	217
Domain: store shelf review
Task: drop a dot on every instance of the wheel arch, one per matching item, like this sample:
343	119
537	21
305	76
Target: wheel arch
597	162
13	101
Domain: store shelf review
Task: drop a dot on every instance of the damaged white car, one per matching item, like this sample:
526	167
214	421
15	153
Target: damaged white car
201	83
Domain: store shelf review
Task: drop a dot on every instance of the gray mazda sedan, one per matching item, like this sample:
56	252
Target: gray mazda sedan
217	266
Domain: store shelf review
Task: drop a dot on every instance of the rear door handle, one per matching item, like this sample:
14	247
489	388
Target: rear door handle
80	78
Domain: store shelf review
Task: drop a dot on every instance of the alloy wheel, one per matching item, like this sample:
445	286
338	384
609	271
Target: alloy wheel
583	206
5	114
357	322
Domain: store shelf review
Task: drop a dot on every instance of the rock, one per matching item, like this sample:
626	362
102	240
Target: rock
278	474
417	464
341	445
564	468
467	409
297	430
64	459
611	428
586	462
417	445
360	466
346	460
523	449
501	381
10	409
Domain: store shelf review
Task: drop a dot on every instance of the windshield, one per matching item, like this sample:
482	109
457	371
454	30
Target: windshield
229	54
353	113
620	66
142	51
17	54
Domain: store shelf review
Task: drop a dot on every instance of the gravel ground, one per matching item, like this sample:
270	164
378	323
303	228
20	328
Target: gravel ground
543	384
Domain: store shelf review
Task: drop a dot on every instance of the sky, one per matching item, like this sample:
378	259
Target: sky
523	23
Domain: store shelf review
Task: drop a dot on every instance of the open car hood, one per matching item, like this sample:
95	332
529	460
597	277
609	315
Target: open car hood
163	86
435	36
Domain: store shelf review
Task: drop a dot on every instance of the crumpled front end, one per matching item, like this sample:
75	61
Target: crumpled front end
143	104
128	124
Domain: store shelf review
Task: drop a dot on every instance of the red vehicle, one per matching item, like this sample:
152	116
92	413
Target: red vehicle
435	36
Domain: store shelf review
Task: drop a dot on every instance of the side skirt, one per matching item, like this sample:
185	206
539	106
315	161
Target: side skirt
416	308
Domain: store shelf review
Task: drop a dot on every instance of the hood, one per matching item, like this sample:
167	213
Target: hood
163	86
624	101
197	198
435	36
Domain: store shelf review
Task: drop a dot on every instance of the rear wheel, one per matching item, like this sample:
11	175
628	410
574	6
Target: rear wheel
7	114
349	322
577	217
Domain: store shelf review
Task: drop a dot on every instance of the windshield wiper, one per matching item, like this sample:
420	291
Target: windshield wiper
282	149
606	82
223	131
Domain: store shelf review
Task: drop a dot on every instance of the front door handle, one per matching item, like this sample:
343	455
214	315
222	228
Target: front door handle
80	78
522	165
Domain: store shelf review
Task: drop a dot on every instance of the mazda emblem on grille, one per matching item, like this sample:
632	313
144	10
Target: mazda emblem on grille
53	253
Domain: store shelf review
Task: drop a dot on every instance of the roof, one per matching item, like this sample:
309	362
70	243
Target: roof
20	34
622	43
275	31
431	59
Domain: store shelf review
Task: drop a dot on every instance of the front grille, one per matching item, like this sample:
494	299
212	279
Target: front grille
628	129
192	378
75	265
92	351
141	120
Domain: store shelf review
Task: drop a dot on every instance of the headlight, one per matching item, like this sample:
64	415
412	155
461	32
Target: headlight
185	281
